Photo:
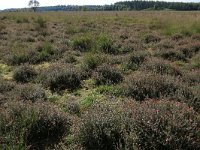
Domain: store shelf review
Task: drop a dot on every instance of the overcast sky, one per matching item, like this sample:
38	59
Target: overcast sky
23	3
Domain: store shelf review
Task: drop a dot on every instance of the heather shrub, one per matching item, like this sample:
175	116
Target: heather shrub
73	108
83	43
17	59
22	20
29	92
177	37
153	125
59	78
192	77
91	61
2	27
6	86
27	126
40	23
155	86
166	44
136	59
151	38
70	58
105	44
45	52
102	128
165	125
3	98
171	54
106	74
195	63
24	74
190	50
160	66
49	129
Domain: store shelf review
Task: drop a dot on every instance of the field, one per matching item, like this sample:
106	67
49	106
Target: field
100	80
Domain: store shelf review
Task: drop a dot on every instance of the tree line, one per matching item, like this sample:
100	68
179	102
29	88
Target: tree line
119	6
156	5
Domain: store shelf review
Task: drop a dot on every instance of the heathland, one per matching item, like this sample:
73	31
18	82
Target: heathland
100	80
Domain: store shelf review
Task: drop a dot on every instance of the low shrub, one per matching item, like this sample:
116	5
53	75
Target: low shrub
166	44
105	74
151	38
22	20
42	52
41	22
6	86
27	126
165	125
91	61
153	125
155	86
171	54
136	59
24	74
102	128
29	92
194	61
46	51
70	58
82	43
49	129
177	37
61	78
2	27
17	59
73	108
190	50
105	44
192	77
160	66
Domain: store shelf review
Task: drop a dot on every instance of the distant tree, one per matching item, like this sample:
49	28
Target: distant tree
33	4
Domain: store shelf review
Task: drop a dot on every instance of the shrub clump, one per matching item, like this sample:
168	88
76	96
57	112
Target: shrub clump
105	74
49	128
190	50
155	86
27	126
17	59
105	45
136	59
152	125
29	92
152	38
40	23
24	74
192	77
58	79
161	67
102	128
165	125
91	61
171	54
82	44
6	86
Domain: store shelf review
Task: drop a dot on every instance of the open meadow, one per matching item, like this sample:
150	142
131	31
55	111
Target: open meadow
100	80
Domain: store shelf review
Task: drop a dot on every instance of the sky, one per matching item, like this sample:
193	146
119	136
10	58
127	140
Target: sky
23	3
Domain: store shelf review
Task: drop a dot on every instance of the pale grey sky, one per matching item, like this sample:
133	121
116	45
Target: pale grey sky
23	3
